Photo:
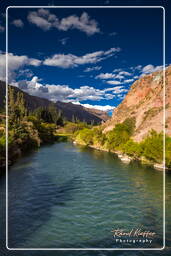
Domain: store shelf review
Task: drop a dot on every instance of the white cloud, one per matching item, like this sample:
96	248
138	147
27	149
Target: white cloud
65	93
121	75
18	23
116	70
92	69
45	20
105	76
70	60
113	82
125	73
104	108
34	62
116	89
15	63
2	29
150	68
27	73
128	81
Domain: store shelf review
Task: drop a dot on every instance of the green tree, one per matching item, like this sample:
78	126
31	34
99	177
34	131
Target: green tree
153	146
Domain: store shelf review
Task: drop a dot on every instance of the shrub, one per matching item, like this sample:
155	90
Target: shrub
132	148
85	136
168	152
153	147
118	136
99	137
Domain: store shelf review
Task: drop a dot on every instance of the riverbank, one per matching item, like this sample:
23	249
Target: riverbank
127	159
16	152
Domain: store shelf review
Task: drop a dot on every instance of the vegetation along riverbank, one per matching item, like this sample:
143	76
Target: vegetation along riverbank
119	141
134	132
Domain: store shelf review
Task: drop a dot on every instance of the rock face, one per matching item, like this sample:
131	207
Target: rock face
69	110
144	102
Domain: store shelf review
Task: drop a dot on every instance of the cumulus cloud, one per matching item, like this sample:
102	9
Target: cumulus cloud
117	74
15	62
27	73
92	69
150	68
46	20
71	60
18	23
104	108
57	92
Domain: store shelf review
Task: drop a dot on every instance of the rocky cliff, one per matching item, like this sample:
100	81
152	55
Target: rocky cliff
144	102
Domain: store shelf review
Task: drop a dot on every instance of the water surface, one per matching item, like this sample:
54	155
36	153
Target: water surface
65	196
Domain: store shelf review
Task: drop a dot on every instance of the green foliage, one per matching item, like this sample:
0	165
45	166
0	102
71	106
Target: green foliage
99	137
153	147
73	128
46	132
130	125
85	136
132	148
16	107
43	114
118	136
168	152
49	115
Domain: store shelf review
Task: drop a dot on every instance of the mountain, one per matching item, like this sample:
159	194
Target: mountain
144	104
70	111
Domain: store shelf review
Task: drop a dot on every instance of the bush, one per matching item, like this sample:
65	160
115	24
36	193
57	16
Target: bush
168	152
99	137
85	136
132	148
46	132
118	136
153	147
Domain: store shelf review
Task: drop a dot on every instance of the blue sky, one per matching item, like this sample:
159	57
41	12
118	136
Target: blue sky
86	56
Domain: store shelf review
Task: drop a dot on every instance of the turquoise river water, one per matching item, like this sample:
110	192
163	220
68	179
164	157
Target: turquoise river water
67	196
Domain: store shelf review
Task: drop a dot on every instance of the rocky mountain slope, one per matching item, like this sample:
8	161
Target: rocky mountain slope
70	111
144	103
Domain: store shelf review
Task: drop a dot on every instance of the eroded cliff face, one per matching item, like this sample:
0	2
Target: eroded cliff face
144	102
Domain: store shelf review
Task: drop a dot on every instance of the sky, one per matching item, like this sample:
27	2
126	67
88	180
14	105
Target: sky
88	56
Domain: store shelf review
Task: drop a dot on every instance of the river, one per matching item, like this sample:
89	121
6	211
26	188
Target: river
67	196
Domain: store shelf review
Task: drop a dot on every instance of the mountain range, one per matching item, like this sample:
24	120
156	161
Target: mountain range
69	110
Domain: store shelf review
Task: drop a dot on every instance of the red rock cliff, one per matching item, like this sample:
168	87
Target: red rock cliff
144	102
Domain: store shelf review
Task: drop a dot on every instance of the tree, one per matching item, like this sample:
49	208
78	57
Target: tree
16	106
55	115
153	146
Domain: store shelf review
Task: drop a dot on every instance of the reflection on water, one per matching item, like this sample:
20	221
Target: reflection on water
65	196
